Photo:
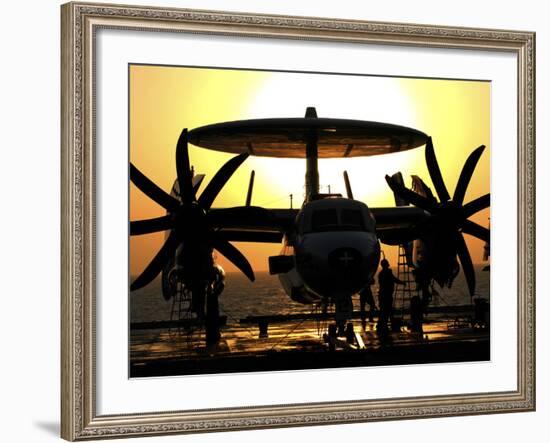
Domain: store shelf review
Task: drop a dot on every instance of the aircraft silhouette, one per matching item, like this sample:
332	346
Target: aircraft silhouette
331	245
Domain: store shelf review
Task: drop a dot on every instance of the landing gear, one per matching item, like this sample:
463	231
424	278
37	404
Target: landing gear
333	334
343	312
331	337
206	308
210	296
212	320
194	309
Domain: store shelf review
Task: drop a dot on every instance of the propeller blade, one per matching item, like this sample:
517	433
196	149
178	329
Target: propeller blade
140	227
250	188
420	187
197	180
151	190
476	205
466	262
469	227
466	175
435	172
183	168
348	185
235	256
220	179
409	196
158	262
397	178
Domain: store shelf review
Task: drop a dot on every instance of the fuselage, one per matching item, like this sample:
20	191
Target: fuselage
334	248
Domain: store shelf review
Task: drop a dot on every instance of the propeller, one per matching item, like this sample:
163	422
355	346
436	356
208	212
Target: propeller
449	217
188	219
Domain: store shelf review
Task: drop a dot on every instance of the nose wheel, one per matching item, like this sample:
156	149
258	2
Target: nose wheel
340	336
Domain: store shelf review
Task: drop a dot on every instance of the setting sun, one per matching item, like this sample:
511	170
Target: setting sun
163	100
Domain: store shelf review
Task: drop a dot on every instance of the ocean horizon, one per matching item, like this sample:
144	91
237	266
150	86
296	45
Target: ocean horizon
242	298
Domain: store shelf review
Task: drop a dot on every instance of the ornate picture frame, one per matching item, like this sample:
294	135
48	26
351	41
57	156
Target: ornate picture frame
80	23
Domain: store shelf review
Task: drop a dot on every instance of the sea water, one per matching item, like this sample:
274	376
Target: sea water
242	298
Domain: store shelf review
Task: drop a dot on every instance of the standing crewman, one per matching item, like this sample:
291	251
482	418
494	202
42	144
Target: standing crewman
386	284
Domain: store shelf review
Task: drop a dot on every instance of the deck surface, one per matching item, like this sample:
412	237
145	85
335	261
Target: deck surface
300	345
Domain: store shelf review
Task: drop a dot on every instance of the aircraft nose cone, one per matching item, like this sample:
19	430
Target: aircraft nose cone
345	259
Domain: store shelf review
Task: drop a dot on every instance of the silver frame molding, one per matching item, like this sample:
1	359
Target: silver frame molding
79	22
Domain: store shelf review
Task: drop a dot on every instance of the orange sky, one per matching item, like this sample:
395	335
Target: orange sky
163	100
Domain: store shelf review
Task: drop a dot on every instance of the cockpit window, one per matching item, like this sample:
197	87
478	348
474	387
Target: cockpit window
352	219
324	220
337	220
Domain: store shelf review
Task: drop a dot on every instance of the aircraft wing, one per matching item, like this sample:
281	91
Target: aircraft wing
397	225
252	223
242	235
394	225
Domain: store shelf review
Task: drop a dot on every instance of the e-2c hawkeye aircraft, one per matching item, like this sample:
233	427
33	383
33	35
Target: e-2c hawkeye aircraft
331	245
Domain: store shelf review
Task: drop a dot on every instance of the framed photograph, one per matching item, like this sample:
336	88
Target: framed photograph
277	221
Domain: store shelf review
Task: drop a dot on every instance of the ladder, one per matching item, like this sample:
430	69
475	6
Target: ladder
404	293
181	309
